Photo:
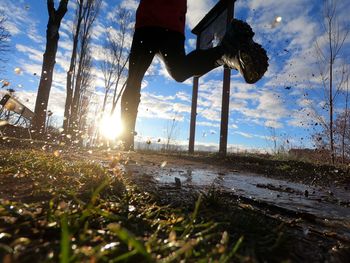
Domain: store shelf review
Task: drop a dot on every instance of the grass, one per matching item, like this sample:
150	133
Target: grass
80	211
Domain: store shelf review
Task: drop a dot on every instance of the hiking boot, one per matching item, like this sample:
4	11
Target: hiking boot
242	53
237	32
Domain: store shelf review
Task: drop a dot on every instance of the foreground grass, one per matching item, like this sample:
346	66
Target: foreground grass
62	209
82	212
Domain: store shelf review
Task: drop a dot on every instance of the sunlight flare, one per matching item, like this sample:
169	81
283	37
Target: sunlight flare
110	126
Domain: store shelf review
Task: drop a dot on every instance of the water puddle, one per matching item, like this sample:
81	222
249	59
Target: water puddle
327	204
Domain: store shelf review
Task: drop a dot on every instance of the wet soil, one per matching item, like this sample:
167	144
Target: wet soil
315	217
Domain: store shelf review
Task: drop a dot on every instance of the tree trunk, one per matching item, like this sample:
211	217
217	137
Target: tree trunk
90	11
52	37
73	122
69	84
345	119
115	100
331	61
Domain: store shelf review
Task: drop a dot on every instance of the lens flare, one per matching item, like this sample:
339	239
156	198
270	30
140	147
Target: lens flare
110	127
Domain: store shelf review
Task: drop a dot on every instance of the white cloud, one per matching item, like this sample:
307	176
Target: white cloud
20	20
31	53
183	96
273	124
67	26
196	10
98	30
31	68
162	107
244	134
208	124
130	4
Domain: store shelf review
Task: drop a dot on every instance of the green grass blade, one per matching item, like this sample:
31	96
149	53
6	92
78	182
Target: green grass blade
196	208
129	239
125	256
233	251
65	240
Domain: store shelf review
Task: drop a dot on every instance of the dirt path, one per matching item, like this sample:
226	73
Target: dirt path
329	204
314	214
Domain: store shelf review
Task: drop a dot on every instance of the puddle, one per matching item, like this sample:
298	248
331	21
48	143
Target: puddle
294	196
196	177
328	204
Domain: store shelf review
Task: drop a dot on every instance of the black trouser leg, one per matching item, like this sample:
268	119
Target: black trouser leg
181	66
141	57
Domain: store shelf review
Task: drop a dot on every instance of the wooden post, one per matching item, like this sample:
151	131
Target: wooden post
193	114
225	108
194	109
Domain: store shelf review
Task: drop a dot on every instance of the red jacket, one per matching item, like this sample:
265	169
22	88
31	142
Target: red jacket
169	14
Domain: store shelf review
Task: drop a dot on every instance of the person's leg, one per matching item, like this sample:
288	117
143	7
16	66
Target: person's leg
181	66
237	50
141	56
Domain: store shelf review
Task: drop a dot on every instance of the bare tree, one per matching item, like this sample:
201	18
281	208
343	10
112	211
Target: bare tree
108	67
79	15
82	69
86	83
327	54
83	81
345	132
171	133
342	124
4	36
121	49
52	37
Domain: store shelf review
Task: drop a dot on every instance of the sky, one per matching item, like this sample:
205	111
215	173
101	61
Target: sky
278	107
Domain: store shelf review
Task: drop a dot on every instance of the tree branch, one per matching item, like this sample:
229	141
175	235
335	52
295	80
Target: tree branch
51	8
62	9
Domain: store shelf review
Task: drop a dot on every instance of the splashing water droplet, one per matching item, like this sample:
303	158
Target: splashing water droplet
278	19
5	83
131	208
18	71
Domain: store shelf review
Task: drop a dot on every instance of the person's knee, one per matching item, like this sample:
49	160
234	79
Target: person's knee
178	76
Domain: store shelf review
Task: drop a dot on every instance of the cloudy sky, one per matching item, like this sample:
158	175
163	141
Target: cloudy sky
280	104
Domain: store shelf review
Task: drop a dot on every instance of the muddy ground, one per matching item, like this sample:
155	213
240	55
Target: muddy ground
317	236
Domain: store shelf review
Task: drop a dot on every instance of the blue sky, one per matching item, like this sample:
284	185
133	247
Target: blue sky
281	100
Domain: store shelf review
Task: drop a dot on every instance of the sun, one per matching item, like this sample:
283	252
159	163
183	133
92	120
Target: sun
110	126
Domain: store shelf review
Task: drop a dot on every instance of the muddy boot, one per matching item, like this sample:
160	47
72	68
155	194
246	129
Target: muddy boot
242	53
